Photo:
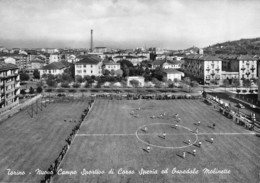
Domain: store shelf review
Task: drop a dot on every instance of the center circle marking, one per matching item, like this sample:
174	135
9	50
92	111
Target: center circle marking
166	147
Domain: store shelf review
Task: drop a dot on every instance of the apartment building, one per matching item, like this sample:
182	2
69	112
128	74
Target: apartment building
89	65
238	66
54	68
206	69
110	65
9	86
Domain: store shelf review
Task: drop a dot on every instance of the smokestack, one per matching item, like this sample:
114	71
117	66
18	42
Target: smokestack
91	43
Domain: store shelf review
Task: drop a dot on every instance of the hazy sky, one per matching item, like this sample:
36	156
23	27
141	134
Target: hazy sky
173	24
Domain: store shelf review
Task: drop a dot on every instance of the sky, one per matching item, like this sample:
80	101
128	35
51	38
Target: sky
170	24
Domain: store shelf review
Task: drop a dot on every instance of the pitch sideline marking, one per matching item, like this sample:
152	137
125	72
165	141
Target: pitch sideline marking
133	134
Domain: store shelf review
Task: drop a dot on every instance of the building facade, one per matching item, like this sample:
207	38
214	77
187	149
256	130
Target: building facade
88	66
54	58
204	68
238	67
110	65
258	80
54	68
9	86
172	75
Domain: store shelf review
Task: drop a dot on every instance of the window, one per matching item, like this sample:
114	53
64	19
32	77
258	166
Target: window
79	71
84	66
85	71
91	66
91	72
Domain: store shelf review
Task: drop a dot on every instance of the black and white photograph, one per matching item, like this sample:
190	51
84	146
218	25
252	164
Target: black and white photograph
129	91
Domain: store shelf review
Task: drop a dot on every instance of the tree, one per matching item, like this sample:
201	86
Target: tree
76	85
125	70
39	89
187	80
194	84
66	77
24	76
31	91
40	83
23	91
126	63
225	82
112	72
119	73
70	71
134	83
158	74
106	72
246	83
51	82
176	80
87	77
79	78
235	82
36	74
65	84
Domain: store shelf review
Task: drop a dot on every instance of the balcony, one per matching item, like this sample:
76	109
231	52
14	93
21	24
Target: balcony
10	98
9	83
8	76
248	73
212	74
243	68
9	91
217	69
208	69
252	69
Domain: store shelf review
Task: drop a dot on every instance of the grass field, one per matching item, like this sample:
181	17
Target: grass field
28	144
112	139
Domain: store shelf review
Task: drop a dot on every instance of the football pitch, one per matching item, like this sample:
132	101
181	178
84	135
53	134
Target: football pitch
28	144
142	141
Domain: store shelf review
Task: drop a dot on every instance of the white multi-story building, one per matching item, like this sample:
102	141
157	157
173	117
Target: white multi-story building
240	67
54	68
169	64
258	81
172	74
247	68
9	86
54	58
110	65
88	66
204	68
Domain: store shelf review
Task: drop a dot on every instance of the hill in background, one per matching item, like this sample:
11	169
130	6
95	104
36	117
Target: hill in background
242	46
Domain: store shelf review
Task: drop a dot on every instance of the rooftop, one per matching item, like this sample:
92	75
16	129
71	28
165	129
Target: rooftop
89	59
54	66
204	57
172	71
7	66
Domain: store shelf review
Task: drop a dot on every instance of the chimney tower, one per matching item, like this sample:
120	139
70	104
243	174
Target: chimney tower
91	42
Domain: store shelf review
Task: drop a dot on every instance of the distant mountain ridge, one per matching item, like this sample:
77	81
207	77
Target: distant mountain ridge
242	47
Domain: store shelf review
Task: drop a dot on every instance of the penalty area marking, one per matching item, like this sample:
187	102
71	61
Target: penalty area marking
166	147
